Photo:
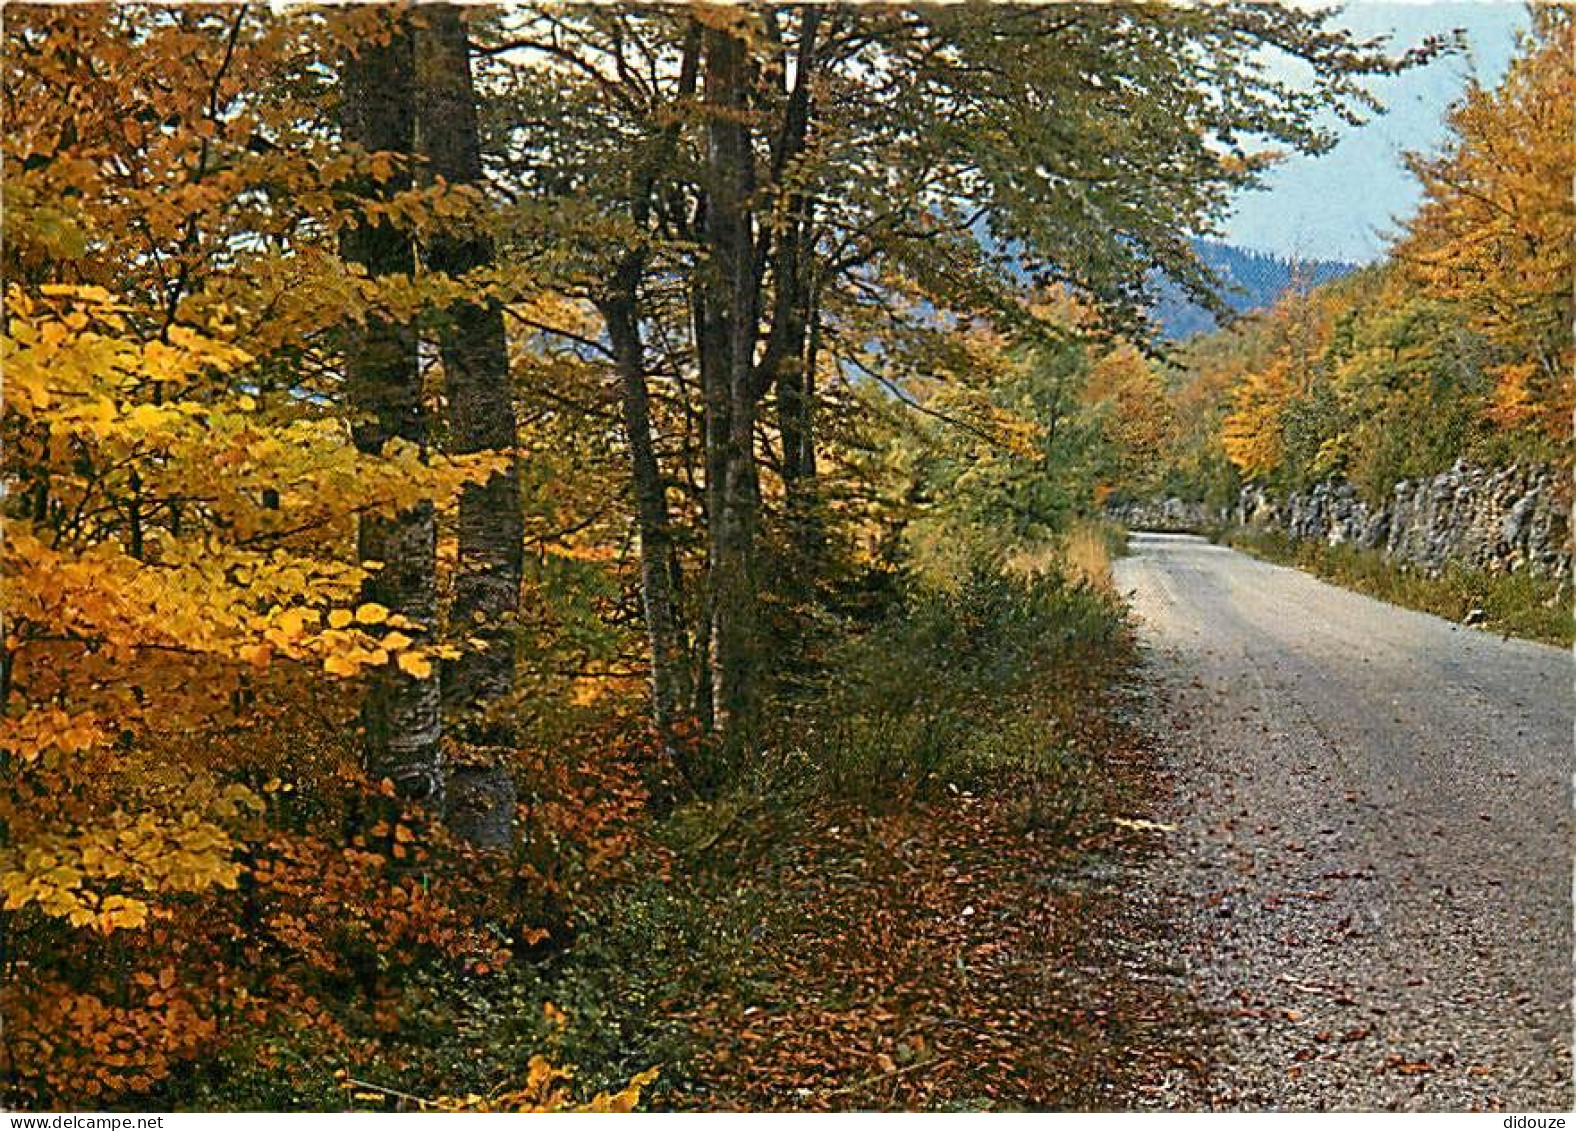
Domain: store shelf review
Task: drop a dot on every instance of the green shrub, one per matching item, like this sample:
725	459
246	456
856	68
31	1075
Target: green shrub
944	690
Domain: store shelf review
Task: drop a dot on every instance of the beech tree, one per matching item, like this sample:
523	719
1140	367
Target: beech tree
383	382
479	683
183	491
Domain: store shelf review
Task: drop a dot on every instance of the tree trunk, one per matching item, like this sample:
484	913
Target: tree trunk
728	370
479	685
805	470
673	694
713	426
400	713
796	403
785	361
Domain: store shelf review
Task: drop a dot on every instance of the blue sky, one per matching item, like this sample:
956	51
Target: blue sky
1344	204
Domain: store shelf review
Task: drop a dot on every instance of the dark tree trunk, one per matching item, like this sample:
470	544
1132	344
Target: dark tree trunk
479	685
673	693
731	326
400	713
805	471
713	424
673	669
786	360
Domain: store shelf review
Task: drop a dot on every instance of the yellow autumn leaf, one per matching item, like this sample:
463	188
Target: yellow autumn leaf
414	664
340	664
291	623
372	613
148	417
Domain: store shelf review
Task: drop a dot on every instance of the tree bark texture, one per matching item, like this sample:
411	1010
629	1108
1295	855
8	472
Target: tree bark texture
479	685
673	693
673	668
786	361
730	328
401	714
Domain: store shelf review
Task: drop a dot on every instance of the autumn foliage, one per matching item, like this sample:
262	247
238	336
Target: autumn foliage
657	354
1456	347
1495	234
193	865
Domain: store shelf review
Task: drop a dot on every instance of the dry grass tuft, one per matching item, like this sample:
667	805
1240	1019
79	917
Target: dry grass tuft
1083	554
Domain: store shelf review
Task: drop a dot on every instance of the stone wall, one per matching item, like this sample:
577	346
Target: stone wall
1173	514
1495	520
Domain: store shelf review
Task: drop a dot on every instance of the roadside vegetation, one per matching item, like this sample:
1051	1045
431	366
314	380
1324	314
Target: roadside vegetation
1455	347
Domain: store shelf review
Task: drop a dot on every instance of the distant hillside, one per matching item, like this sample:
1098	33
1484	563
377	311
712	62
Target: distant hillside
1253	280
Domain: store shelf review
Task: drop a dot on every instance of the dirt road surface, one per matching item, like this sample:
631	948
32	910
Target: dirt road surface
1369	870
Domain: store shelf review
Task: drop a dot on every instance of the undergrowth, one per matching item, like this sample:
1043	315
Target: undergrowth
887	904
951	689
831	935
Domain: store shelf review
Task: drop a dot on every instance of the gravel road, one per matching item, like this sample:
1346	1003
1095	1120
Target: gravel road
1370	871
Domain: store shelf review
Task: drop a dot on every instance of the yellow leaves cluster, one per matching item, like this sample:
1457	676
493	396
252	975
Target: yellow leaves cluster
344	641
197	603
73	374
1516	400
1130	385
546	1089
69	351
103	595
65	371
103	876
50	730
1282	365
1251	433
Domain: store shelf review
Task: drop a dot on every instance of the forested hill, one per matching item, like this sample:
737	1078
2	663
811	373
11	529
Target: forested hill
1253	280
